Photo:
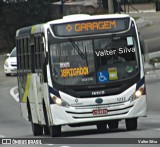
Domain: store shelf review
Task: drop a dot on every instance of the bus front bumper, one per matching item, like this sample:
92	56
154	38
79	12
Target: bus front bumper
77	115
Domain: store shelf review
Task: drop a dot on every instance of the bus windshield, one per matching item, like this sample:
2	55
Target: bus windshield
94	61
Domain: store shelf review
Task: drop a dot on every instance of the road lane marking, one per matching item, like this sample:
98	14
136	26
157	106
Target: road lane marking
13	94
158	129
54	144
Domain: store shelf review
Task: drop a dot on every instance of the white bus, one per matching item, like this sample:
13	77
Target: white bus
81	70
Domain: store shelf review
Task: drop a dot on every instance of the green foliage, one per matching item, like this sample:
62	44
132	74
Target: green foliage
136	18
34	11
154	60
14	16
140	1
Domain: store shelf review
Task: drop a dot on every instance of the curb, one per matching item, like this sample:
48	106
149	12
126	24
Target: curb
152	74
142	11
144	20
141	23
152	77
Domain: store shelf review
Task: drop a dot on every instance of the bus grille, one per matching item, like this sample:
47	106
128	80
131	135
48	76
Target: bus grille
87	113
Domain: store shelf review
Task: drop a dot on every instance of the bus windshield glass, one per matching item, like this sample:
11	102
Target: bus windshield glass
94	61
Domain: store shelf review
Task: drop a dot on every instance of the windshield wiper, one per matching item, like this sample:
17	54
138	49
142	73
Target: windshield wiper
113	37
78	49
107	44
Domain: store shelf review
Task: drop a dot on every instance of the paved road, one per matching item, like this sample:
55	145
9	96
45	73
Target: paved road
13	125
11	122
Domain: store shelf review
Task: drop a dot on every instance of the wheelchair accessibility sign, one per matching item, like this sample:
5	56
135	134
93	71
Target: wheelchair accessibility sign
102	77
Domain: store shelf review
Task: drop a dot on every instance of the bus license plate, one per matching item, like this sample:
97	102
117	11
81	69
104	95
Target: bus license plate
99	111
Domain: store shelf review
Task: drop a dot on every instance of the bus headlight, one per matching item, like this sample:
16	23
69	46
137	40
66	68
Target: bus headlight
137	94
59	101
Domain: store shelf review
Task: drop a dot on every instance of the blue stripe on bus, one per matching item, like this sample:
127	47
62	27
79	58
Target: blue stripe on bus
140	83
54	91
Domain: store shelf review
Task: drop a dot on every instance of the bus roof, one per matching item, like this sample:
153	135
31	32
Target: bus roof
70	18
83	17
30	30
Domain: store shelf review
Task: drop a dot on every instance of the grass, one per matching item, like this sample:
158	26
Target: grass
136	18
154	60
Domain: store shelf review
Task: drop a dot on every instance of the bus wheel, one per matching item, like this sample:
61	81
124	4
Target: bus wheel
37	129
55	131
131	124
113	124
45	127
101	127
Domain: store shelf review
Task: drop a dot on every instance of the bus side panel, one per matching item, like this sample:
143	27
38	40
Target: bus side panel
35	100
47	103
27	95
23	89
24	111
35	92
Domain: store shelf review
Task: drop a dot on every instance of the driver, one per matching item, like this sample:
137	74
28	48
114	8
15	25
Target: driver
115	58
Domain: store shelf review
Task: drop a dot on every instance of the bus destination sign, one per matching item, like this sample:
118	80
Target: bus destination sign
90	27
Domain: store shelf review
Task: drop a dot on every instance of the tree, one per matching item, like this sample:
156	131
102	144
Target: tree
15	15
105	4
35	11
108	4
110	7
5	34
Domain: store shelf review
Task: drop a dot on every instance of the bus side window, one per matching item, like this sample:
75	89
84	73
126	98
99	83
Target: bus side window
39	53
36	52
32	58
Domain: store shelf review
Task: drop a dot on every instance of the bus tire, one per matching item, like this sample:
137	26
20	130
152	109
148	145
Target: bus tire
37	129
55	131
131	124
101	127
113	124
46	130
